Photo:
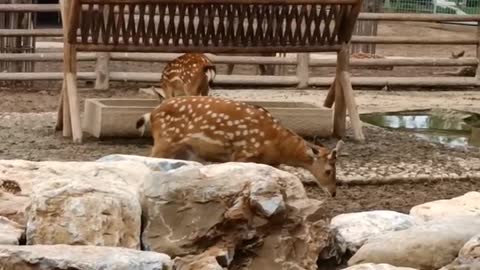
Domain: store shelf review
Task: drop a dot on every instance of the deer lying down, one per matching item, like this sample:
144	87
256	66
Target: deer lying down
220	130
187	75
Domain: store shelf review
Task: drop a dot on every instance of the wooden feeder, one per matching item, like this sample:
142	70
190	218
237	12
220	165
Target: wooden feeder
210	26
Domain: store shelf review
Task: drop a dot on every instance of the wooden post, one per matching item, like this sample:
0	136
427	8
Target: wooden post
71	108
102	71
303	60
346	85
477	74
340	111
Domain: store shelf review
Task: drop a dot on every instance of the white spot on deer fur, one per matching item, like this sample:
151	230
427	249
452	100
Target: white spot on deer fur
182	108
230	136
200	105
177	130
212	127
236	122
219	132
255	121
257	145
214	115
245	132
262	133
204	138
238	108
209	112
242	126
229	123
238	132
240	143
252	140
190	126
207	106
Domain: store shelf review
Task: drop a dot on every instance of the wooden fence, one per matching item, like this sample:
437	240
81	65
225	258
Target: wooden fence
102	75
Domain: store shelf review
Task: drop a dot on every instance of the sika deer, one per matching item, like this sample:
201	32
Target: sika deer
190	74
220	130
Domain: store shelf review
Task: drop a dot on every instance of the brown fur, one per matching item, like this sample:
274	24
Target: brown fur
219	130
186	75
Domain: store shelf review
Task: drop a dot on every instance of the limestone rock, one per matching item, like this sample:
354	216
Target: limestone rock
88	203
10	232
430	245
155	164
373	266
353	229
468	257
235	202
467	204
46	257
215	258
15	189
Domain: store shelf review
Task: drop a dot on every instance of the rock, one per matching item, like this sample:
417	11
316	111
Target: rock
468	257
241	203
353	229
10	232
467	204
155	164
214	258
46	257
429	245
380	266
87	203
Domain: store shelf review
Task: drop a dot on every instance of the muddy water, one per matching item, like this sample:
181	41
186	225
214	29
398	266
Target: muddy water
448	127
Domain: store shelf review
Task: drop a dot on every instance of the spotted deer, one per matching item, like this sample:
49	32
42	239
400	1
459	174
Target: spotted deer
190	74
221	130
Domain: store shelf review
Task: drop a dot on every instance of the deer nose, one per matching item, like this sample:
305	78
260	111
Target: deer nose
333	194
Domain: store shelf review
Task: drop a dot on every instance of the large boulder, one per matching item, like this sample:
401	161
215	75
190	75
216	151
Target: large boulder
10	232
353	229
468	257
430	245
155	164
191	208
467	204
87	203
46	257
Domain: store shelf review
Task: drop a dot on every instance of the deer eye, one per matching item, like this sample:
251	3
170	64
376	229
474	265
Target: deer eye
328	171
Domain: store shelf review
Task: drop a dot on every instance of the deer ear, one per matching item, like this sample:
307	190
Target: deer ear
333	153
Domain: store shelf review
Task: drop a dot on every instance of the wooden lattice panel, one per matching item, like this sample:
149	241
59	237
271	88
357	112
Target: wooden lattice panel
212	26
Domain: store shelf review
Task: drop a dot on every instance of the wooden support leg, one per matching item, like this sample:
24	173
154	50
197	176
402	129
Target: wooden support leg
71	82
59	125
67	124
330	99
346	85
71	111
340	112
102	71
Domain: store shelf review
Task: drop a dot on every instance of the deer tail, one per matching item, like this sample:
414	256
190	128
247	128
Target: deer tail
142	123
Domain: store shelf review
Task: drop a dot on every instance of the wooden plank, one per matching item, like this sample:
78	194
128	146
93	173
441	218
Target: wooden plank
29	8
255	80
413	40
263	2
31	32
417	17
340	110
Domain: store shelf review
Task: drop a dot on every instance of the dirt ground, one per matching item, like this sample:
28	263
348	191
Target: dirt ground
27	119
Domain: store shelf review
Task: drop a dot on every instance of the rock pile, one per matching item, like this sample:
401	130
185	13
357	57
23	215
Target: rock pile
131	212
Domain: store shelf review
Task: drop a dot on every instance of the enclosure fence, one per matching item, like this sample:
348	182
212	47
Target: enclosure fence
102	75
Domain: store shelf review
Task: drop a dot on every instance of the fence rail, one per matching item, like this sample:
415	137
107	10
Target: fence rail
300	62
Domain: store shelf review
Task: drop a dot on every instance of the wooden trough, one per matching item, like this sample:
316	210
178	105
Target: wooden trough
117	117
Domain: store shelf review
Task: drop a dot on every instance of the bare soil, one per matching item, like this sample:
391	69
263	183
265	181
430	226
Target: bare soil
27	119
